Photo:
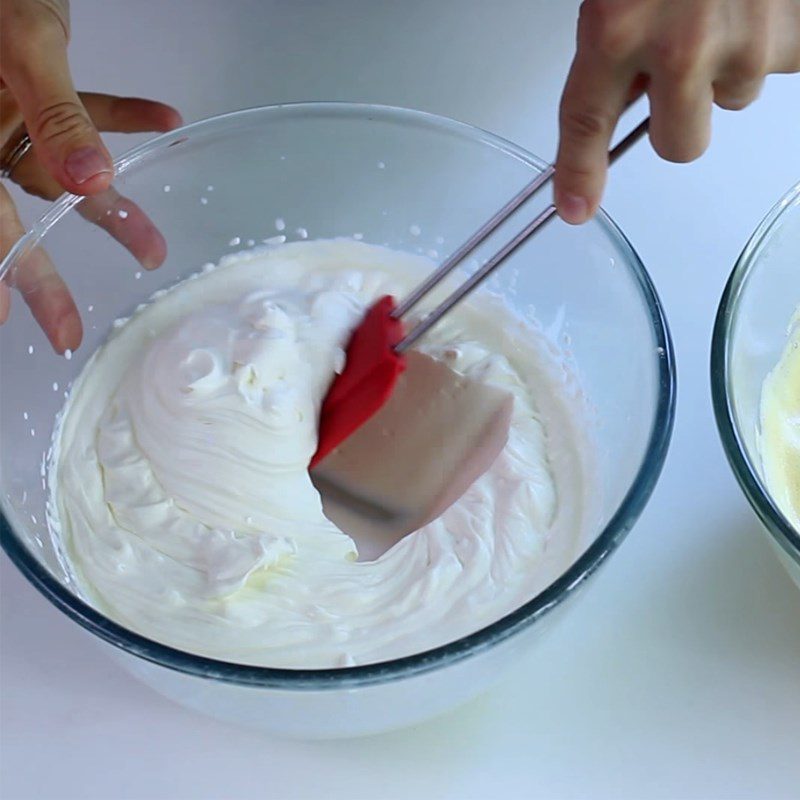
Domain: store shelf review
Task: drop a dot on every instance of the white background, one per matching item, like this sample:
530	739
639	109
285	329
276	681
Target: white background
681	676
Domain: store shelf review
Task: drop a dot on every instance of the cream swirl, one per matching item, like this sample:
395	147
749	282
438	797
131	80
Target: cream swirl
182	487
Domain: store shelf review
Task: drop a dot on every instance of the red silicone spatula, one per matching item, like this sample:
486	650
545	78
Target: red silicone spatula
371	370
401	435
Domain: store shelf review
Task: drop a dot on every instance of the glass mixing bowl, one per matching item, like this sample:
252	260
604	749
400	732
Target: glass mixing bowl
402	178
749	336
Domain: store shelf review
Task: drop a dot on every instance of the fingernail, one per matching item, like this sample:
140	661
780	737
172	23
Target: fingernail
573	209
85	163
150	262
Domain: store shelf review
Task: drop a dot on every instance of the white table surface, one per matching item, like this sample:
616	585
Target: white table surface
682	677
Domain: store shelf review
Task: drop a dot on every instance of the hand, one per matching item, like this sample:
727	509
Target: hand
37	97
686	55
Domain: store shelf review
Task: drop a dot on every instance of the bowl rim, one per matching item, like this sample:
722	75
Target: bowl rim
744	470
617	527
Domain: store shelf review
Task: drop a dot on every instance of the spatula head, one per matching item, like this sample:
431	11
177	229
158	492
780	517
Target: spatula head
435	435
370	373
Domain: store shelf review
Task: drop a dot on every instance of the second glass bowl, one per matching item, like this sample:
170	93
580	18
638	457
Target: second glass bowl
749	337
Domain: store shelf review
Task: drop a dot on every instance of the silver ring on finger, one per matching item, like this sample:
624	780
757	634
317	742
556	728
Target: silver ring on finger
15	155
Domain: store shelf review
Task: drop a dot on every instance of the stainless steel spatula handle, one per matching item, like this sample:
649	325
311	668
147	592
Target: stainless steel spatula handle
500	256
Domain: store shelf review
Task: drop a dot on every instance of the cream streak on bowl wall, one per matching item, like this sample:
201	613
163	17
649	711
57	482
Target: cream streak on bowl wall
779	431
181	487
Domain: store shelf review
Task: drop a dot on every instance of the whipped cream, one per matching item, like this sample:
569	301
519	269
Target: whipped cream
181	482
779	435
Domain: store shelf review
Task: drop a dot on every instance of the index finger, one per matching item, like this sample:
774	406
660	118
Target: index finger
594	98
602	79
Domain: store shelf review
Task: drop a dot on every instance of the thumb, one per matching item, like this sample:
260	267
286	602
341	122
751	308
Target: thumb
34	66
